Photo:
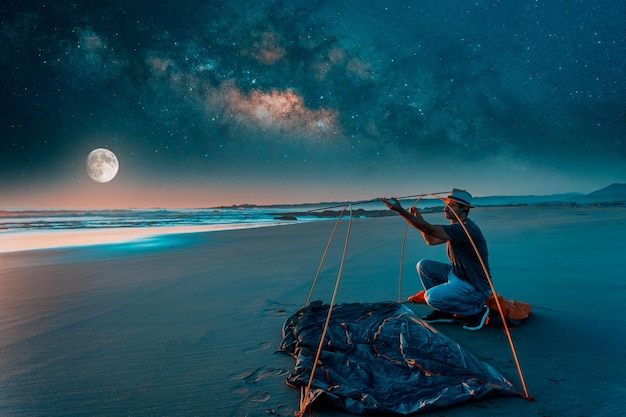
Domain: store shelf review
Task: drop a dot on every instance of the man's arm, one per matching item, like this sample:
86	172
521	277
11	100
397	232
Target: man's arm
431	240
433	234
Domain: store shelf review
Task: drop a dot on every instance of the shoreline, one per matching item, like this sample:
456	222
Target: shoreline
57	239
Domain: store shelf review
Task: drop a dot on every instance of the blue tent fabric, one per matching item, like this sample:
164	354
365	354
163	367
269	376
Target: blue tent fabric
381	358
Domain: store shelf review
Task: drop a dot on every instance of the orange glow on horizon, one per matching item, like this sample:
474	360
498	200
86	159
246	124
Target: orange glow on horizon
117	195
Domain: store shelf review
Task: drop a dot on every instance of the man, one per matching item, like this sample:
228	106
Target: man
461	287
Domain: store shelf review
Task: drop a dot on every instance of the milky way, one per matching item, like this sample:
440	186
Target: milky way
310	101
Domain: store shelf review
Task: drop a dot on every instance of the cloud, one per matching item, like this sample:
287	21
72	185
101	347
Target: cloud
281	112
89	54
267	47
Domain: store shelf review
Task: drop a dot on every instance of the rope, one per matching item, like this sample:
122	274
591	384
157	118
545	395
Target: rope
406	228
493	290
372	200
319	268
305	393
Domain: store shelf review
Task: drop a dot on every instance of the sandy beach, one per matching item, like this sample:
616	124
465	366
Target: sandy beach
190	326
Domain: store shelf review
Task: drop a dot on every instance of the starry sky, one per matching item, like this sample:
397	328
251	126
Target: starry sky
209	103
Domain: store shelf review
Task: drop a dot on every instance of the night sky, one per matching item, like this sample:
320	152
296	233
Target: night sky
210	103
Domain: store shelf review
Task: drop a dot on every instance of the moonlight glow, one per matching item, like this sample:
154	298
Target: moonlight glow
102	165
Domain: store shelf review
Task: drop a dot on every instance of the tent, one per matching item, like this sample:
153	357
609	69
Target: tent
381	358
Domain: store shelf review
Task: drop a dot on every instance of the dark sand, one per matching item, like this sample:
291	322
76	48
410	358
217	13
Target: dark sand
189	325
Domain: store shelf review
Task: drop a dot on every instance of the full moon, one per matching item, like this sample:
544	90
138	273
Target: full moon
102	165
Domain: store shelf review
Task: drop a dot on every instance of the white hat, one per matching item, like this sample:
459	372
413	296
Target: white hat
461	197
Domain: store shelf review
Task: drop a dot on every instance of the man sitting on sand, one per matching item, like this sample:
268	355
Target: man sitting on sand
461	287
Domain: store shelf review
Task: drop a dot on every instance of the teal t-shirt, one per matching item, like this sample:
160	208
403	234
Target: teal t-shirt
465	263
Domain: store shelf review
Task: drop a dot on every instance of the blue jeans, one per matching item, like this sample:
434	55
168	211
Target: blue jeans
447	292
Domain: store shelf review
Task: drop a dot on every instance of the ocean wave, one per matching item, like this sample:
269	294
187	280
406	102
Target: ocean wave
48	220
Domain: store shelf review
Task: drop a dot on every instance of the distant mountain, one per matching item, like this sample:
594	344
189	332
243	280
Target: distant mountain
611	189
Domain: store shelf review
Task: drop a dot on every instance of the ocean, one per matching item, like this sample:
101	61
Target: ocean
51	220
37	229
48	220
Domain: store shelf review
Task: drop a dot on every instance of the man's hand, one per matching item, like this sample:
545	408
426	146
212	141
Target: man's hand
415	212
392	203
433	234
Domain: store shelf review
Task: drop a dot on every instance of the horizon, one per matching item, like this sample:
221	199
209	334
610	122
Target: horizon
426	197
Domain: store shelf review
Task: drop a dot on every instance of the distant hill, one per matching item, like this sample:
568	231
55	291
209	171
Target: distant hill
611	189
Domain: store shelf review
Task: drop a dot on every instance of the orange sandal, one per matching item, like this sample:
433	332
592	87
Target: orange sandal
417	298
